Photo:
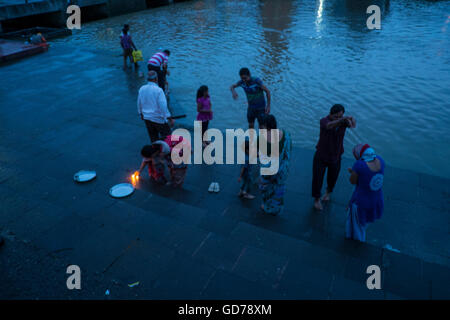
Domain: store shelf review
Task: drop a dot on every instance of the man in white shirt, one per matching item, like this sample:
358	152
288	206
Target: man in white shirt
152	107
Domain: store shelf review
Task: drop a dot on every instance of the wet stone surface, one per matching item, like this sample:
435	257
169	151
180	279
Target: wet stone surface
186	243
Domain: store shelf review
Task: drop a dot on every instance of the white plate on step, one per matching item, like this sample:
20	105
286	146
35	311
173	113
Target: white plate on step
84	176
121	190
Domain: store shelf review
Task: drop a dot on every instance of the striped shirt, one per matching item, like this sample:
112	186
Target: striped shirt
159	59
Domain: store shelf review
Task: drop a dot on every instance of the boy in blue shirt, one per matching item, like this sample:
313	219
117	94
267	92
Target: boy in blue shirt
254	89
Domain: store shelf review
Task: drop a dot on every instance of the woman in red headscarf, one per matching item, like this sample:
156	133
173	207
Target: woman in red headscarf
366	204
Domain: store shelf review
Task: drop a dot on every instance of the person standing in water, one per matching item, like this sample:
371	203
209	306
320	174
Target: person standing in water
329	151
254	89
127	45
366	204
159	63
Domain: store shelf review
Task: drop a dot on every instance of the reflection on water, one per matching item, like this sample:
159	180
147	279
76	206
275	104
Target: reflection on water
319	15
311	54
276	18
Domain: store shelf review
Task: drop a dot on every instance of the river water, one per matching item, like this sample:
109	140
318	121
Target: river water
310	54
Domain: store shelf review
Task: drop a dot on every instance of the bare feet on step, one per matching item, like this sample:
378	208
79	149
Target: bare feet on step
318	205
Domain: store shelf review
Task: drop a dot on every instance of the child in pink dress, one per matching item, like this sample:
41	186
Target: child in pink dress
204	109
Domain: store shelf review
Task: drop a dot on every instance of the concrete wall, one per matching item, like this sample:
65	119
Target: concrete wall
53	12
22	10
157	3
85	3
44	14
117	7
95	12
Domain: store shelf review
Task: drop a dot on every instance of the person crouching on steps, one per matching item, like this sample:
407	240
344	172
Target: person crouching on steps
154	156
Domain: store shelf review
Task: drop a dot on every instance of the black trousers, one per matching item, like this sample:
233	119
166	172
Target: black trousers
157	131
319	167
204	127
161	76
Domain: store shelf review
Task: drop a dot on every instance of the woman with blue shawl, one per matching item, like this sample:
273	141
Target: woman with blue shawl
273	186
366	204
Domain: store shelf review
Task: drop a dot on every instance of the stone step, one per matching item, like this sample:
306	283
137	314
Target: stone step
255	245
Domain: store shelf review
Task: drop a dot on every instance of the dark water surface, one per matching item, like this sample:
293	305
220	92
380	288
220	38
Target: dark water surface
311	54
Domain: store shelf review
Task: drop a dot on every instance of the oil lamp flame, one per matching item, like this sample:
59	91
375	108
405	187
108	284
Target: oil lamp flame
135	178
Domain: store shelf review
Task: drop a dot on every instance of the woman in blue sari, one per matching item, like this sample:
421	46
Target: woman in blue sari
366	204
273	187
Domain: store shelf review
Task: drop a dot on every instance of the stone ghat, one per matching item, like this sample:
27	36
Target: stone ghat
188	243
